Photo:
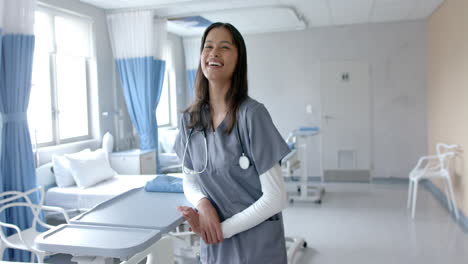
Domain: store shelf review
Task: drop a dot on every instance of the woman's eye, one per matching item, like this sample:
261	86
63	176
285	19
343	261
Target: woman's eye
225	47
208	47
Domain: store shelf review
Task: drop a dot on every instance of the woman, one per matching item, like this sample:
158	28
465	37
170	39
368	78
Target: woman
231	151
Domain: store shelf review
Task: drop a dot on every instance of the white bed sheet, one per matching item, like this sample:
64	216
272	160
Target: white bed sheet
169	162
76	198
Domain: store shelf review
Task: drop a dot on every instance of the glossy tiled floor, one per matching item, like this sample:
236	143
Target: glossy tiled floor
369	224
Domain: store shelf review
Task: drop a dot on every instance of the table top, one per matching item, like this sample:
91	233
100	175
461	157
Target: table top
119	227
137	208
102	241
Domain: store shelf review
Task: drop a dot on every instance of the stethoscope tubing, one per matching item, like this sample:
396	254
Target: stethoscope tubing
184	169
244	165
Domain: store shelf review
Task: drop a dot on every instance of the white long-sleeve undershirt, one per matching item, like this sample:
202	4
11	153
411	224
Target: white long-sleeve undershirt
272	201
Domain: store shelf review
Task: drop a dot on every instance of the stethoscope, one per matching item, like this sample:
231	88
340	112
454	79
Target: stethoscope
244	161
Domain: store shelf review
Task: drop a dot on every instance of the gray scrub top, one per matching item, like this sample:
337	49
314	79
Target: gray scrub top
232	189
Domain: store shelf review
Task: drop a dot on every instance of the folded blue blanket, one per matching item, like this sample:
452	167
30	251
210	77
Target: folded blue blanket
164	183
304	128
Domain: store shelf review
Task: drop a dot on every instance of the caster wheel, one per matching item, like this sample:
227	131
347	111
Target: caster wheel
298	189
318	202
304	245
291	200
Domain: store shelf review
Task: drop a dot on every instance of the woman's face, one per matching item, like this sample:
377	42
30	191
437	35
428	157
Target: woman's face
219	55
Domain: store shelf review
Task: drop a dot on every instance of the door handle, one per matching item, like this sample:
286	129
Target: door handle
326	117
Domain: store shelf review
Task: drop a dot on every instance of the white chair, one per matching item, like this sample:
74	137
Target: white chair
24	239
435	166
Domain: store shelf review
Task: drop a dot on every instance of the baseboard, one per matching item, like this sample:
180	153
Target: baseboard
298	178
440	196
391	180
344	179
358	176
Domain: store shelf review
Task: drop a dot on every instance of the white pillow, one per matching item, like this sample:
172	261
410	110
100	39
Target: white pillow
91	169
108	142
44	175
62	173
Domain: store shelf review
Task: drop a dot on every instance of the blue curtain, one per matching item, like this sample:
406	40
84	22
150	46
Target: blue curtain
17	162
142	80
191	74
2	215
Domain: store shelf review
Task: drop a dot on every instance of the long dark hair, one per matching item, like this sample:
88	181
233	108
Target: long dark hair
236	94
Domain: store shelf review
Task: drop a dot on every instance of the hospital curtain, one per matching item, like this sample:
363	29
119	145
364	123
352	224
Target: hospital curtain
192	60
16	163
137	42
2	215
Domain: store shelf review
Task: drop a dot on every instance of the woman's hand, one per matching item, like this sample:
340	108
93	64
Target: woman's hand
210	227
192	218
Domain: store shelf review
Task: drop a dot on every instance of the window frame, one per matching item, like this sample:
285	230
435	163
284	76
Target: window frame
52	12
166	78
168	56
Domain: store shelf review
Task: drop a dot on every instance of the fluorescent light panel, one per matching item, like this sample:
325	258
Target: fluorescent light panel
111	4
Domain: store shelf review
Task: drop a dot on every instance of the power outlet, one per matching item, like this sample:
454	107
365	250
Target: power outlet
309	109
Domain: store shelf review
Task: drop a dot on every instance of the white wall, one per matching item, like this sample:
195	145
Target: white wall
284	74
284	71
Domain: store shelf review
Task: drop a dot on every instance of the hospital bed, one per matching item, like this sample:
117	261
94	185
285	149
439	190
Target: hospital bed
169	163
104	204
75	198
131	227
168	160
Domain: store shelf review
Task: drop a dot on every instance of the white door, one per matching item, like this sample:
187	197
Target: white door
345	99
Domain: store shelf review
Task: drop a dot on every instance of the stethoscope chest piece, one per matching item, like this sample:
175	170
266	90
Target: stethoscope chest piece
244	162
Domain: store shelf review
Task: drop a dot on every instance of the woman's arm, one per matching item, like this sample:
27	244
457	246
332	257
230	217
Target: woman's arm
192	189
272	201
210	226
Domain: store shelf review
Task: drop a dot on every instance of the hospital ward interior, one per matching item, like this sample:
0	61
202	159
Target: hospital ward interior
369	96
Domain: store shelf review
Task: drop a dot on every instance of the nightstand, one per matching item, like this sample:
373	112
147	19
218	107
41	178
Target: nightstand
134	161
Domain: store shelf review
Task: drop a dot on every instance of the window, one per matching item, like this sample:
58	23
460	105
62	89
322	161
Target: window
163	111
58	105
166	112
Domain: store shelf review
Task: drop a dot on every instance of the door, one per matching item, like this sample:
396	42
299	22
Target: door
345	99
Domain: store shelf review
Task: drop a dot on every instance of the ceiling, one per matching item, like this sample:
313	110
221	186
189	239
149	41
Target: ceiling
257	16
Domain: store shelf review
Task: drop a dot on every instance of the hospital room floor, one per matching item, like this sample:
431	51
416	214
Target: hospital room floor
368	223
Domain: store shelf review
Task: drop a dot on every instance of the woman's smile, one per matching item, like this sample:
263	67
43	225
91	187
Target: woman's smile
214	64
219	55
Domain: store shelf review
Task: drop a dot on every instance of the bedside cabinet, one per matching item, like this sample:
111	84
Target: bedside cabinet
134	162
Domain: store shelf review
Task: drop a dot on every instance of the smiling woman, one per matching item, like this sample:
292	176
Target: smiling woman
230	150
223	60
